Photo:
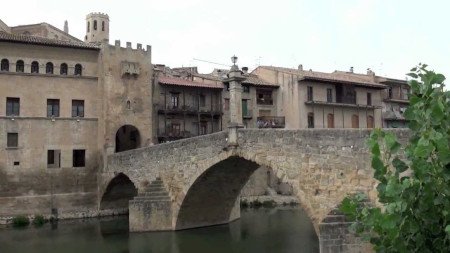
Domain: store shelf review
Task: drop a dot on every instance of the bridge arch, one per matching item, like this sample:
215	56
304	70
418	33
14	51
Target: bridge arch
127	138
119	190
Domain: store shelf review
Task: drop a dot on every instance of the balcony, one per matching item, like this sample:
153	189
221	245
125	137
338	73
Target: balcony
337	104
270	122
188	109
172	135
264	101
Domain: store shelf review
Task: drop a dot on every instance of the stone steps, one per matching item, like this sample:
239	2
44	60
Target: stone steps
155	192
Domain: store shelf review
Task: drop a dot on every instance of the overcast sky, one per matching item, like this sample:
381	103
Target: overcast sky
324	35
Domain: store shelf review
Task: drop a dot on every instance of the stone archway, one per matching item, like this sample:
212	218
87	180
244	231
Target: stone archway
117	195
127	138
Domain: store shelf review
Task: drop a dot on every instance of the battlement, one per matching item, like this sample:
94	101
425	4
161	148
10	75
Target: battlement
97	14
139	47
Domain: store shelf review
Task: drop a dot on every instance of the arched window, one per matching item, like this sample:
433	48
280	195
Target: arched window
63	69
355	121
20	66
95	25
310	120
35	67
88	28
369	122
4	65
330	119
78	70
49	68
103	25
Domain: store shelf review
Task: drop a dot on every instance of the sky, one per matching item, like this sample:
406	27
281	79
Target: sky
388	36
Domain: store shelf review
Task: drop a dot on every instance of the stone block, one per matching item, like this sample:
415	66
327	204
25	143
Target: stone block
150	215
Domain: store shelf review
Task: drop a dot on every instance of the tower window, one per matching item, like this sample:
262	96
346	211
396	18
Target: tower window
4	65
35	67
20	66
88	26
95	25
103	25
77	108
310	93
79	158
12	140
53	158
78	70
49	68
63	69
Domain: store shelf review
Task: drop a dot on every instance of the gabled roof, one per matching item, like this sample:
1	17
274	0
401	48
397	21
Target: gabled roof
335	77
187	83
25	39
49	25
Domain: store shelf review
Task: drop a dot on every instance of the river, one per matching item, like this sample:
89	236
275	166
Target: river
282	229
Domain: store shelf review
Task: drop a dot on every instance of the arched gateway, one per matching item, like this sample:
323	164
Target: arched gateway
127	138
196	182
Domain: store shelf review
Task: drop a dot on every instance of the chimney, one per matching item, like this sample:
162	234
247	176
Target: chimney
351	69
66	26
300	67
245	70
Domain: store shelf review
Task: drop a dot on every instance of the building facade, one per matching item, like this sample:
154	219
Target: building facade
66	105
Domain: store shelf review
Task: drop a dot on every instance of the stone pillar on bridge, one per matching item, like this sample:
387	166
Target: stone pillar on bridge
234	80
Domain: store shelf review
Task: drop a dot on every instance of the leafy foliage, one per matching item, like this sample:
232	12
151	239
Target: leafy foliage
414	186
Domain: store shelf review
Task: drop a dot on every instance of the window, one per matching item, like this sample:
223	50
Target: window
203	127
405	93
227	85
310	120
12	106
78	70
53	158
355	121
330	119
35	67
49	68
20	66
390	92
52	107
79	159
329	95
88	28
246	88
226	104
310	93
175	129
103	25
264	97
369	122
369	98
4	65
77	108
202	100
95	25
12	140
63	69
174	100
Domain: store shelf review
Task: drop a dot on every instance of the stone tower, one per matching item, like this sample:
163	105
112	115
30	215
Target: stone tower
66	26
97	27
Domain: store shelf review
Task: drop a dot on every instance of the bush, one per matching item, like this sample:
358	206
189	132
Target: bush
244	203
39	220
20	221
269	203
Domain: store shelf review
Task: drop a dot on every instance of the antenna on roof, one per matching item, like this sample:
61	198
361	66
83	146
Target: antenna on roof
195	59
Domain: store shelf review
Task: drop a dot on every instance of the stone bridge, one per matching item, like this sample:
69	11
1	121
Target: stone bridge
197	182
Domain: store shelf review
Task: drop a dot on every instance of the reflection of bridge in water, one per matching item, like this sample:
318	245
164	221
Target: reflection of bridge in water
196	182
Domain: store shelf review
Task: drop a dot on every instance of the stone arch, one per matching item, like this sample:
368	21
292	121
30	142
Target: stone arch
119	190
127	138
218	185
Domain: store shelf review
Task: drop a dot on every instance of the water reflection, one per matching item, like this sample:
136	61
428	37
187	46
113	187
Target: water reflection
258	230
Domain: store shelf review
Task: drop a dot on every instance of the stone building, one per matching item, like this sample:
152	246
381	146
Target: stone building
67	104
312	99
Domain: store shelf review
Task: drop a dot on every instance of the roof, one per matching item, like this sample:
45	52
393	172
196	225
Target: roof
25	39
49	25
187	83
335	77
256	81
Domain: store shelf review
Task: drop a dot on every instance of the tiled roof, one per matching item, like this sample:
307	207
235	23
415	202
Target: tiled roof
336	77
188	83
256	81
46	42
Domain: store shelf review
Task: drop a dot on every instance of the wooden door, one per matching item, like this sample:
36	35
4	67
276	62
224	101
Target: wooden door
330	119
355	121
369	122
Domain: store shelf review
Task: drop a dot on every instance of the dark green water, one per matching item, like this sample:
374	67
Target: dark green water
258	230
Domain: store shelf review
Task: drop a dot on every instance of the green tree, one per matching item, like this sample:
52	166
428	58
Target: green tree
413	213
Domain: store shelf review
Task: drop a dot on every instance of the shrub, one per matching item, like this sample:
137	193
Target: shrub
20	221
39	220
